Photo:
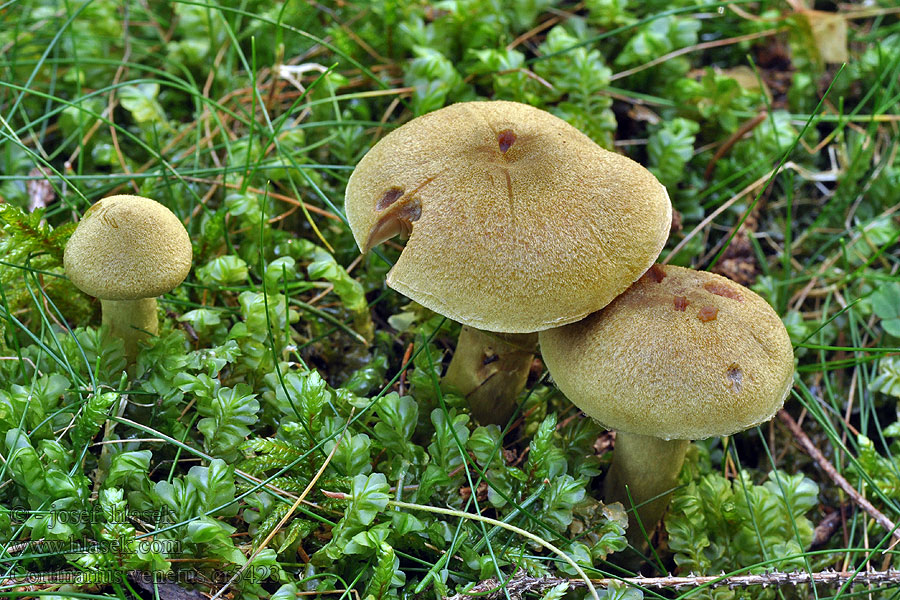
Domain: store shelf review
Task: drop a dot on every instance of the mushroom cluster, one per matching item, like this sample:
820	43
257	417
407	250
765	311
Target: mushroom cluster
126	251
517	222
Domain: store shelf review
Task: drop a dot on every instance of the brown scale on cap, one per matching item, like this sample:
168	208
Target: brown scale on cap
641	367
720	289
707	313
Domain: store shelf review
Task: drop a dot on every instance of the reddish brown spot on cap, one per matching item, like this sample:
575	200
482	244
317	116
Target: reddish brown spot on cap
724	290
681	303
390	196
707	313
656	273
505	139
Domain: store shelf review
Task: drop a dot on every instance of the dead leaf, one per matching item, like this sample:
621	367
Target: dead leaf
738	263
829	31
482	492
642	113
747	79
604	442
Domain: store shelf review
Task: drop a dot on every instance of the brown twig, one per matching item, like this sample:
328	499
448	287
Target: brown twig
544	26
694	48
522	583
828	526
731	141
712	216
113	132
407	357
274	195
836	477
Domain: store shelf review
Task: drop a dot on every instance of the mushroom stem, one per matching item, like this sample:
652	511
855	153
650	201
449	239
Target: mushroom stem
649	468
490	370
131	320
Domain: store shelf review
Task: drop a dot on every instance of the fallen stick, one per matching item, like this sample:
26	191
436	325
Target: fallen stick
829	469
522	583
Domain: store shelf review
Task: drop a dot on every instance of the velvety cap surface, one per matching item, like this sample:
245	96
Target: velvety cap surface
128	247
682	354
517	221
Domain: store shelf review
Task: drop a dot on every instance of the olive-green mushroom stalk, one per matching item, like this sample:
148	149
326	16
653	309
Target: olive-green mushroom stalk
517	222
126	251
490	370
682	355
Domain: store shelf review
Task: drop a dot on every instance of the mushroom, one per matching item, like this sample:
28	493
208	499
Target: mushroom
517	222
682	355
127	250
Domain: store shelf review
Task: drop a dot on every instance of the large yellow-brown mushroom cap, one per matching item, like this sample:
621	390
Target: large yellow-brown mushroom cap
126	248
517	221
682	354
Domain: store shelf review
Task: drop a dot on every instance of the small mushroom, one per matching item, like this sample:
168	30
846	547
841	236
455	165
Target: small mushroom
517	222
127	250
682	355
